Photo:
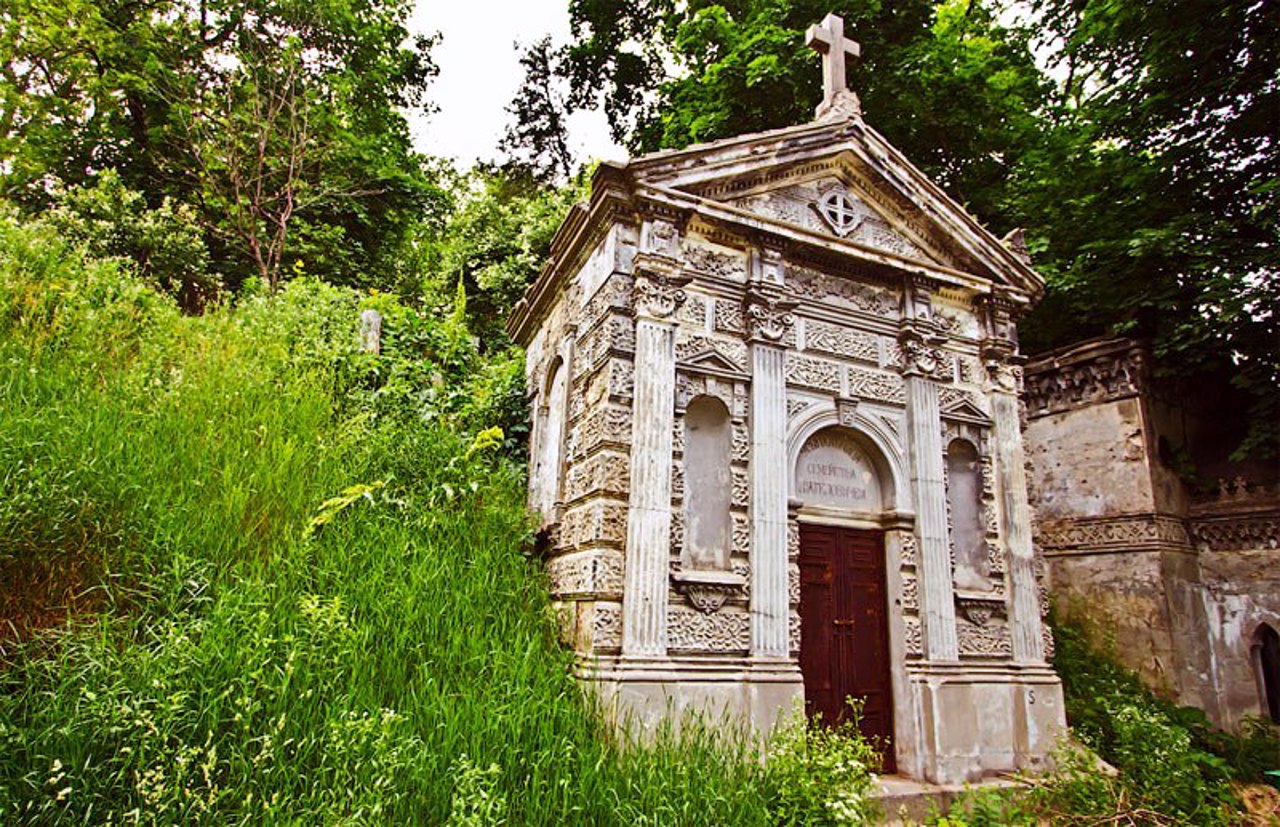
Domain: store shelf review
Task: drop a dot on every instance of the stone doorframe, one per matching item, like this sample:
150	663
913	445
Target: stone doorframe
872	428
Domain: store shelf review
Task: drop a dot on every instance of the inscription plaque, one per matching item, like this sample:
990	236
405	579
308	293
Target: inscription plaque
833	471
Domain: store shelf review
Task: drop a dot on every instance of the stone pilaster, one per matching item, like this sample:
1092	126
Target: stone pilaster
768	320
1011	478
921	363
658	295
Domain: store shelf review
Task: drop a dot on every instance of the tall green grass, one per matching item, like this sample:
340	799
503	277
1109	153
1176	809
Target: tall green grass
225	661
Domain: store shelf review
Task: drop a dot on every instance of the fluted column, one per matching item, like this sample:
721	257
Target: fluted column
768	319
1025	624
921	362
644	597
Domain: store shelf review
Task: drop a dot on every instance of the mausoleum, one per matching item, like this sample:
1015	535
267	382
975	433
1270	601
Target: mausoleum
776	446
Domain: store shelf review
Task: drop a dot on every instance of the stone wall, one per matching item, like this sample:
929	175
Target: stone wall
1175	588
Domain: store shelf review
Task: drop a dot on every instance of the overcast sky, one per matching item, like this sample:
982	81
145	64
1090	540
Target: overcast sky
480	72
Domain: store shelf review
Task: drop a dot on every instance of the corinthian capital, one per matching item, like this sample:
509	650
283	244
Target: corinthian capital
658	293
767	312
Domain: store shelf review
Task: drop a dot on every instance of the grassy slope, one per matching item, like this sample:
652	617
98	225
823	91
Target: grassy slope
225	666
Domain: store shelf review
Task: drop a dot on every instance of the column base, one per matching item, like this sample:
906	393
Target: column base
975	721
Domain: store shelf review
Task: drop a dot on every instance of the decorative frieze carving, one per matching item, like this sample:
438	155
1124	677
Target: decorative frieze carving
741	446
1054	385
913	637
907	549
841	341
1239	532
690	630
990	640
910	594
796	405
812	373
727	317
820	287
605	472
707	261
596	523
693	312
1106	534
600	428
877	386
614	296
741	488
741	534
606	627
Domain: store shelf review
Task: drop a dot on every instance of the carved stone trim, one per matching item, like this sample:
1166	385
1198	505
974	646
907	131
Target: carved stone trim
708	591
1129	532
767	314
1238	532
1088	375
979	608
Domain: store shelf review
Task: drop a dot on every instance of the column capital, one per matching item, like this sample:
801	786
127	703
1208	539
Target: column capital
919	354
659	289
767	311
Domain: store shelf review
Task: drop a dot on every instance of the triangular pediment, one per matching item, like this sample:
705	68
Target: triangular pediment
832	206
963	409
711	360
876	199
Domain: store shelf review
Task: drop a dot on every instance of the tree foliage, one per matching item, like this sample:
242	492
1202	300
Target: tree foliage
280	122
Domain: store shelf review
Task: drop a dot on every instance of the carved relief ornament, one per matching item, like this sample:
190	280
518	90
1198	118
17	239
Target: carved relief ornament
659	293
767	314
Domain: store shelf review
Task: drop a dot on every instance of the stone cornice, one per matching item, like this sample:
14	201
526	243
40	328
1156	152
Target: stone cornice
1087	374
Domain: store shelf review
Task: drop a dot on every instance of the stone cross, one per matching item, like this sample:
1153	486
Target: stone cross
828	40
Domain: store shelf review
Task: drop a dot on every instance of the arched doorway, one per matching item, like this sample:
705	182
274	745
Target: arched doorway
1267	657
844	601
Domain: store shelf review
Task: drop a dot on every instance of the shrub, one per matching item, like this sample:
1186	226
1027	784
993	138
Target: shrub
820	775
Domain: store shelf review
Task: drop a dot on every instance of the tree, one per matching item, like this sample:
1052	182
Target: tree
1162	214
172	94
537	137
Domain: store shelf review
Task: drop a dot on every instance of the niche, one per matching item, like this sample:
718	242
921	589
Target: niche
1266	647
551	439
708	448
964	499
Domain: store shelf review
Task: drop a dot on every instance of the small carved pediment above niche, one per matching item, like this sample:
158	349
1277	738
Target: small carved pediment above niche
708	591
713	361
966	411
978	608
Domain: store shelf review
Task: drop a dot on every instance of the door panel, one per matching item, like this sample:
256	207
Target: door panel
844	628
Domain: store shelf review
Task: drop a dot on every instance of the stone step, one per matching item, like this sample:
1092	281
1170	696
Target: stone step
905	801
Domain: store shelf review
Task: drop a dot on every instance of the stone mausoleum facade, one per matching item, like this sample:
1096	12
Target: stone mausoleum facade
776	446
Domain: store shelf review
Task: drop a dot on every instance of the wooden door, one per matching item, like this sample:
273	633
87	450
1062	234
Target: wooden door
844	628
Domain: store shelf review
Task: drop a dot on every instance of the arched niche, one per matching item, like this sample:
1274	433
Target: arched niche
708	449
553	413
836	468
1266	659
964	501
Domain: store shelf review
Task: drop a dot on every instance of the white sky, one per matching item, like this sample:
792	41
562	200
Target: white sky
480	72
